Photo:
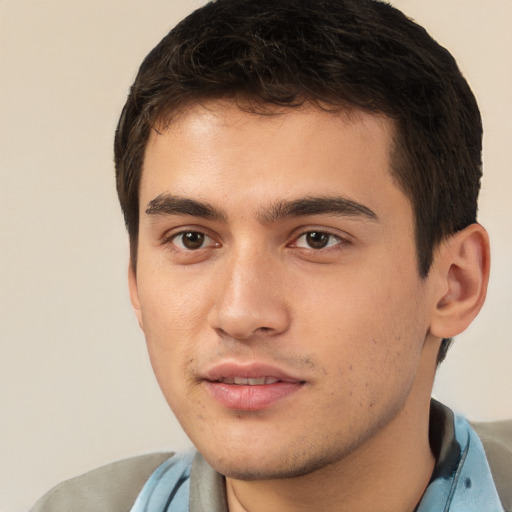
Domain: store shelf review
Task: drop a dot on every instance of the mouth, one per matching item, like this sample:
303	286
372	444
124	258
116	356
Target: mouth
248	381
250	387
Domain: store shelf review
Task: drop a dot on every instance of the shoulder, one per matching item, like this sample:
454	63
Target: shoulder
496	437
113	487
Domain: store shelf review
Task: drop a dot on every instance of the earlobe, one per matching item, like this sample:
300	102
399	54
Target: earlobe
462	264
134	294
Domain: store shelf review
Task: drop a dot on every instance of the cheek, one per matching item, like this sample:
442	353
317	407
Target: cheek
173	317
371	322
173	304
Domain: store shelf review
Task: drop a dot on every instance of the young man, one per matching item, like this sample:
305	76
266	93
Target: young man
299	180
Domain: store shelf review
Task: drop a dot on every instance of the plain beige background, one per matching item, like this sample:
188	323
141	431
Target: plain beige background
77	390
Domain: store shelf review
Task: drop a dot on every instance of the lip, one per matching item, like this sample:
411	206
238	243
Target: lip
252	370
245	397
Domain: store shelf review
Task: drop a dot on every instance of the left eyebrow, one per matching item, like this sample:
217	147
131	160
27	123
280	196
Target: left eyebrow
333	205
167	204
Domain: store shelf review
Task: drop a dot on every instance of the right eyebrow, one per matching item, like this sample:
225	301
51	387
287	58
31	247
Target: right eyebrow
168	204
311	205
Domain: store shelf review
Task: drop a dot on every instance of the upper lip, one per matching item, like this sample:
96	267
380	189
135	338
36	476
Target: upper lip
253	370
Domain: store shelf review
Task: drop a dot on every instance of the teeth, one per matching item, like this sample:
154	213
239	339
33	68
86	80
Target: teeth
244	381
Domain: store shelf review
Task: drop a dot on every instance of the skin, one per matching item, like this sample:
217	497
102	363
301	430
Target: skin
352	321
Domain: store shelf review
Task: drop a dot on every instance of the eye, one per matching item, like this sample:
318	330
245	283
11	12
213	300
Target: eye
192	240
317	240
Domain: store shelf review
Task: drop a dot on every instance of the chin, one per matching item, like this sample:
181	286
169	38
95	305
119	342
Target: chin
270	464
271	471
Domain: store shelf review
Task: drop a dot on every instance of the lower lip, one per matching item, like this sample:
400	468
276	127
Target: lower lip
251	398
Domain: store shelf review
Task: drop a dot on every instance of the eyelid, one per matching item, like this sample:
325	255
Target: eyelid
170	235
333	241
344	237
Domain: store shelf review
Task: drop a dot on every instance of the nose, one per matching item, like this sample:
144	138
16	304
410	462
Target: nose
251	298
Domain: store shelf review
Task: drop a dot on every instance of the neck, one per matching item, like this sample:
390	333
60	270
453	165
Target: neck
388	473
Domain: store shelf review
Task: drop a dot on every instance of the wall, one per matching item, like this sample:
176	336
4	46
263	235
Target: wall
77	388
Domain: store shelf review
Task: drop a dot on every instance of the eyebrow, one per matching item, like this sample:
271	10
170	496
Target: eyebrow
168	204
333	205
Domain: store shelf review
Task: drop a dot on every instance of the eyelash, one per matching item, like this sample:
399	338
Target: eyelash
325	236
339	240
170	240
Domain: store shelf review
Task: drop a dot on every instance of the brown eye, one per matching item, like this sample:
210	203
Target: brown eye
190	240
317	239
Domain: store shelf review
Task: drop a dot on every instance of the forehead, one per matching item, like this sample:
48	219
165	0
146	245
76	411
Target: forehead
220	152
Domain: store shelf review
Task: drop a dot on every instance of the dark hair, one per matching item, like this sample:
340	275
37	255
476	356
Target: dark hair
338	54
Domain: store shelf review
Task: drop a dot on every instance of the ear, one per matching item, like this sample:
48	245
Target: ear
134	293
461	265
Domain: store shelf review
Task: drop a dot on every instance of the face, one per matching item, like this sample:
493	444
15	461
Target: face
277	285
